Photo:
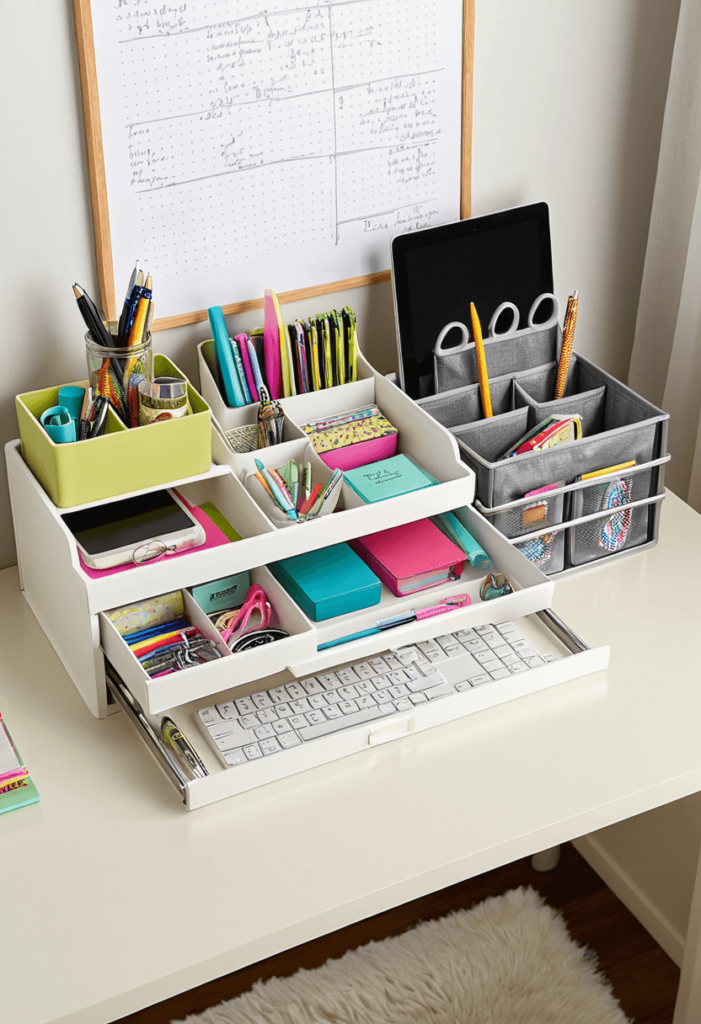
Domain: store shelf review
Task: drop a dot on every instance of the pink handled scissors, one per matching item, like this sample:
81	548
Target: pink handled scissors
238	624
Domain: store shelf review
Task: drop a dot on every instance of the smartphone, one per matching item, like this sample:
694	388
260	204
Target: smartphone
143	526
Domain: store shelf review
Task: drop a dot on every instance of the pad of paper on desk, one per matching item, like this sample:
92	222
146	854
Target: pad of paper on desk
388	478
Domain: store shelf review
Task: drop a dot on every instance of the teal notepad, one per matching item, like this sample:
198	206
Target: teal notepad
387	479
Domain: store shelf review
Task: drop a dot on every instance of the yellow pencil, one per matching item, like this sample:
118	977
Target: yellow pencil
481	362
567	343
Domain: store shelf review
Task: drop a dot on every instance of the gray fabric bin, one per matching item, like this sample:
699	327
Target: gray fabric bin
618	426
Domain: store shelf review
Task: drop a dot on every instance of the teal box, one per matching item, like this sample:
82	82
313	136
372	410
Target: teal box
387	479
328	582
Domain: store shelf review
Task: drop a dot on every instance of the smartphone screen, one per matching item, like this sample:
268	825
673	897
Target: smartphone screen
127	523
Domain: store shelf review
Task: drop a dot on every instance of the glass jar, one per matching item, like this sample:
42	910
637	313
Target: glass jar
117	372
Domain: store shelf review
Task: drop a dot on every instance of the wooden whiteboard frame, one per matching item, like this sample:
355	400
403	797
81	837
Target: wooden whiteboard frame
98	184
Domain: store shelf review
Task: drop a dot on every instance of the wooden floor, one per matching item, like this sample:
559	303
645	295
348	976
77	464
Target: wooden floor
644	979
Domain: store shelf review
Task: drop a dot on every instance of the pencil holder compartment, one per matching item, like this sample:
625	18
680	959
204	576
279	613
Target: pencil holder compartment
522	350
547	509
300	452
464	405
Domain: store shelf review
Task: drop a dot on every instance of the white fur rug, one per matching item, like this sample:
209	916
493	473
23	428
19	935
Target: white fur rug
509	960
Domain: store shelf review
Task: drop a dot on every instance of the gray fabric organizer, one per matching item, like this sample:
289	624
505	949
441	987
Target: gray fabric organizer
564	528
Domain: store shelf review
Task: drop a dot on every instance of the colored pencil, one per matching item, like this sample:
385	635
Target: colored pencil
481	362
568	327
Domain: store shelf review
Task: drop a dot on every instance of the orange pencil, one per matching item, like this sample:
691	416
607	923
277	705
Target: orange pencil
568	327
481	362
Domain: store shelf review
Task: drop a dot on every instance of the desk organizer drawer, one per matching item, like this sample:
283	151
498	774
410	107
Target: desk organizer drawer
157	694
545	634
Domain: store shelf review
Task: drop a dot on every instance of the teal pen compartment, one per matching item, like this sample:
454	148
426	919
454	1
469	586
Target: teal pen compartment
121	460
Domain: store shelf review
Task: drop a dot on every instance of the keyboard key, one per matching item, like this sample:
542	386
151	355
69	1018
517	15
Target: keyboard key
330	681
365	686
408	655
289	739
492	666
465	634
455	652
510	658
418	698
227	710
261	700
245	706
534	662
399	691
314	717
439	691
403	704
398	677
317	700
283	710
263	732
480	679
502	650
281	727
233	757
295	691
333	697
393	663
270	746
312	685
523	645
267	715
461	687
347	676
366	701
412	672
500	673
357	718
300	706
380	666
332	711
297	720
348	692
382	696
518	667
476	644
252	751
232	735
550	657
364	670
209	716
492	639
278	694
483	656
348	706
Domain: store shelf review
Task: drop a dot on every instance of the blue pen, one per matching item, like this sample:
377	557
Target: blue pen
280	497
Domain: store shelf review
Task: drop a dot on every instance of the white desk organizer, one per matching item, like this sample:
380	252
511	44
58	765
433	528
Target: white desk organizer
70	605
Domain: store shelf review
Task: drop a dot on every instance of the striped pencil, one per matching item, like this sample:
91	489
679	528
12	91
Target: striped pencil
568	327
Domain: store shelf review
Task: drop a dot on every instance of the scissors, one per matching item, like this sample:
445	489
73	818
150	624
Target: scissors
235	623
492	332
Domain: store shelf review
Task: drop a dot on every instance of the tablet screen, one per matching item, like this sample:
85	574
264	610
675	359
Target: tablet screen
128	522
437	273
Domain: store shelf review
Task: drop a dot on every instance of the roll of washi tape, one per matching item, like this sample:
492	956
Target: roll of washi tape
59	425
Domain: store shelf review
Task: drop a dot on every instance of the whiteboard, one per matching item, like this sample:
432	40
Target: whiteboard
249	145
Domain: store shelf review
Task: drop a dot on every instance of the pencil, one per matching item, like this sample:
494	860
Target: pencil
481	362
568	327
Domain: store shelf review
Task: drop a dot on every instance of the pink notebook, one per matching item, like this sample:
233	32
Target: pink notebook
412	557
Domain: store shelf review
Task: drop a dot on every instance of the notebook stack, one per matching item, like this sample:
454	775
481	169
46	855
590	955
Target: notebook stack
16	788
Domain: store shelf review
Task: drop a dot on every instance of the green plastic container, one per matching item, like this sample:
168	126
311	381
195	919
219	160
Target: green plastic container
121	460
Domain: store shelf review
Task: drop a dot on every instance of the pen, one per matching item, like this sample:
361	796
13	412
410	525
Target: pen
567	343
319	503
449	604
309	502
124	318
279	493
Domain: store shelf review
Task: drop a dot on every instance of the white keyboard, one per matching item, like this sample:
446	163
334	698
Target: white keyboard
272	721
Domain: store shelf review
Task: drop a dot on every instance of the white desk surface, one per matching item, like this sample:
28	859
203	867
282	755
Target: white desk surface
114	897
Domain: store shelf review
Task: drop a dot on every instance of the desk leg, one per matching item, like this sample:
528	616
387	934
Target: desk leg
546	860
688	1006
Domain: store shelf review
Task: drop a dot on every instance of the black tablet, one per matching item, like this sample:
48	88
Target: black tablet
438	272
